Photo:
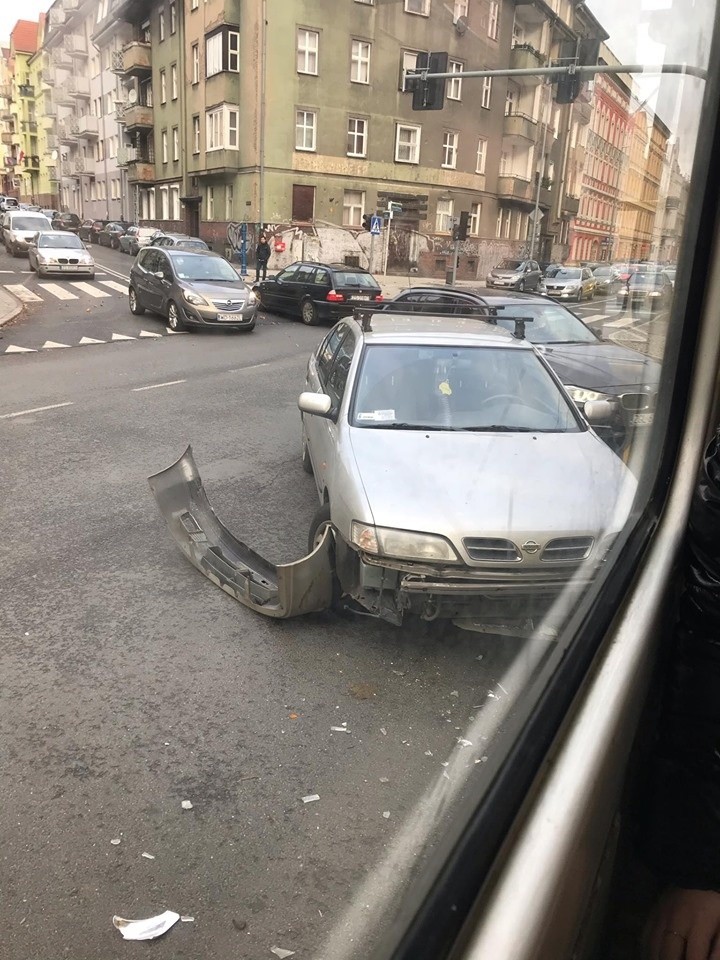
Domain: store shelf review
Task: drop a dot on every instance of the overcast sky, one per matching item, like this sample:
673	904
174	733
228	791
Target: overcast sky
10	13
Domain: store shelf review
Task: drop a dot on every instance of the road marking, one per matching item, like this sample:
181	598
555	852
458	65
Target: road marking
22	293
116	273
89	289
60	292
621	322
21	413
52	345
84	341
14	349
147	333
154	386
593	318
121	336
114	285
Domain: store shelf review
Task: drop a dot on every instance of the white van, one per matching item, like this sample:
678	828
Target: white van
19	227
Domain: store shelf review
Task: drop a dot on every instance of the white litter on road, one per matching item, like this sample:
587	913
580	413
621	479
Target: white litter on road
115	842
311	798
148	929
386	814
148	856
463	742
187	919
383	731
279	952
340	729
186	805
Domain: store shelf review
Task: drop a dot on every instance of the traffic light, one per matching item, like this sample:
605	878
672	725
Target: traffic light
586	53
367	217
460	230
429	94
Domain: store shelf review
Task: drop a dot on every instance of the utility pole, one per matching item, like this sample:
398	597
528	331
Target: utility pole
540	175
456	254
386	244
372	252
261	136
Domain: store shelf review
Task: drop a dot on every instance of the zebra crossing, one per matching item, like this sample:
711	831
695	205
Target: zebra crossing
91	341
68	290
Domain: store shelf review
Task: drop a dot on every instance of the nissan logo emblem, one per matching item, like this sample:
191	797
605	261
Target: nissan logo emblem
530	546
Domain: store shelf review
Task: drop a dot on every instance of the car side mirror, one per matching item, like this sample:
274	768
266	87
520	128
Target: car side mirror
159	274
598	411
316	404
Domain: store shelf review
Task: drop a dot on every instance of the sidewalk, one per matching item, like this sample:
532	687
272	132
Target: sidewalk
10	306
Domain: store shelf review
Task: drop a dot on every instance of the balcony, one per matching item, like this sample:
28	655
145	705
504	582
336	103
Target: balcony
71	6
87	126
29	126
56	16
66	168
85	166
79	87
138	117
524	56
59	58
7	138
519	127
52	141
63	96
120	108
570	205
672	202
141	172
26	90
52	174
118	64
47	76
126	155
515	188
137	59
48	108
66	134
5	91
75	44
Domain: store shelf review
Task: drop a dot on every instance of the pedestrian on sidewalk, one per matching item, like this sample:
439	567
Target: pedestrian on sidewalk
262	255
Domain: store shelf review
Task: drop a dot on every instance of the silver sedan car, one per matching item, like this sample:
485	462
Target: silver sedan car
57	251
441	450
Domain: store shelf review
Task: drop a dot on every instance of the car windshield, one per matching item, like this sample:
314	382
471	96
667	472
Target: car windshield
30	223
68	241
509	265
603	272
210	269
654	279
446	388
192	244
550	323
563	273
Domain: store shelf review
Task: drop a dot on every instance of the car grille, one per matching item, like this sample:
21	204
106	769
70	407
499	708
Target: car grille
232	307
65	260
491	549
568	548
636	401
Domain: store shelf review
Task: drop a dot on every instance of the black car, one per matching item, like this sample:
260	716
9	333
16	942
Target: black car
89	229
70	222
317	291
591	368
110	234
182	240
646	291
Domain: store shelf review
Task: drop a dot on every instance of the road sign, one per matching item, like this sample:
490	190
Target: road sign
375	226
539	215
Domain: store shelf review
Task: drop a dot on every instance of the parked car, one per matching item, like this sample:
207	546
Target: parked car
57	251
317	292
178	240
69	222
515	275
607	280
192	289
110	234
438	448
590	367
136	237
650	291
89	230
568	283
50	213
7	204
19	227
670	272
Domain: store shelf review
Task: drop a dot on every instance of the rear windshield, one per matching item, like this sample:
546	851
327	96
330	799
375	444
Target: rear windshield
30	223
66	242
603	272
344	278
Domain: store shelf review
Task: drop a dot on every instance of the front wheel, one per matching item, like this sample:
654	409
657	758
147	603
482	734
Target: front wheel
309	314
320	523
135	306
173	317
521	287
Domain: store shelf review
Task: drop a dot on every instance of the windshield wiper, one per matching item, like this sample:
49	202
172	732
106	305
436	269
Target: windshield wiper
500	428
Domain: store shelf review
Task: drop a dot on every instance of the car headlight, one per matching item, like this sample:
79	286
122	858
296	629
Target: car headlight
583	395
46	261
195	299
251	299
572	286
402	544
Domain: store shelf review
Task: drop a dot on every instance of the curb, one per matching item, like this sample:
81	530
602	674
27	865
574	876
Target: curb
14	311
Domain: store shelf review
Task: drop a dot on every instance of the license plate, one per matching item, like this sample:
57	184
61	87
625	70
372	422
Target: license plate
68	267
642	419
229	317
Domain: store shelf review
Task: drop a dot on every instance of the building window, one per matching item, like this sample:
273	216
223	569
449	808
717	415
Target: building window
449	150
481	155
222	52
213	54
444	216
460	9
229	202
232	128
357	137
164	203
173	81
493	17
164	146
195	63
163	87
108	104
421	7
407	143
455	85
486	93
161	21
474	221
408	62
175	202
211	203
233	39
221	129
176	143
308	42
196	134
305	124
173	18
303	203
360	62
353	208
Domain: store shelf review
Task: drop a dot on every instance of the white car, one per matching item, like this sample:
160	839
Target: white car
20	227
56	251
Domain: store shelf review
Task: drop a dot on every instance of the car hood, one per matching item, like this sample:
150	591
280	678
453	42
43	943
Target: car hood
218	291
557	282
479	484
503	274
63	252
601	366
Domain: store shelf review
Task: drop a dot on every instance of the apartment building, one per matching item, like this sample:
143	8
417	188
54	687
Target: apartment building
7	187
670	216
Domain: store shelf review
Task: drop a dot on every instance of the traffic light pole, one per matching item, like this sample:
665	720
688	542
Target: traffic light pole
568	71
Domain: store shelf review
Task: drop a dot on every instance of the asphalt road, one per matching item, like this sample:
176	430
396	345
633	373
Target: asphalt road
130	683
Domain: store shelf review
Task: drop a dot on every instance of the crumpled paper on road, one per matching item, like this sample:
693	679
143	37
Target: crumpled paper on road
148	929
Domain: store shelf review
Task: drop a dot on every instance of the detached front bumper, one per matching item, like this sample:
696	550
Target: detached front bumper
288	590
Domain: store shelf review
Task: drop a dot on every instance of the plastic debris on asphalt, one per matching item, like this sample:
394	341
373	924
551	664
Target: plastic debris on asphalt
383	731
115	841
463	742
384	780
428	753
148	929
187	919
386	814
186	805
311	798
454	693
148	856
279	952
340	729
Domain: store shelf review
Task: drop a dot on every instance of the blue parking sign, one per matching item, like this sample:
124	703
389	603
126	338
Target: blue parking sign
375	226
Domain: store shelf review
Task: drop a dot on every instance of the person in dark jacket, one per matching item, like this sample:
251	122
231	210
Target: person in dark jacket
681	838
262	255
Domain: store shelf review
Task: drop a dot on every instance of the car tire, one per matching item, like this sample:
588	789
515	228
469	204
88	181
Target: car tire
306	461
173	317
136	307
317	526
31	265
309	314
521	287
91	277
